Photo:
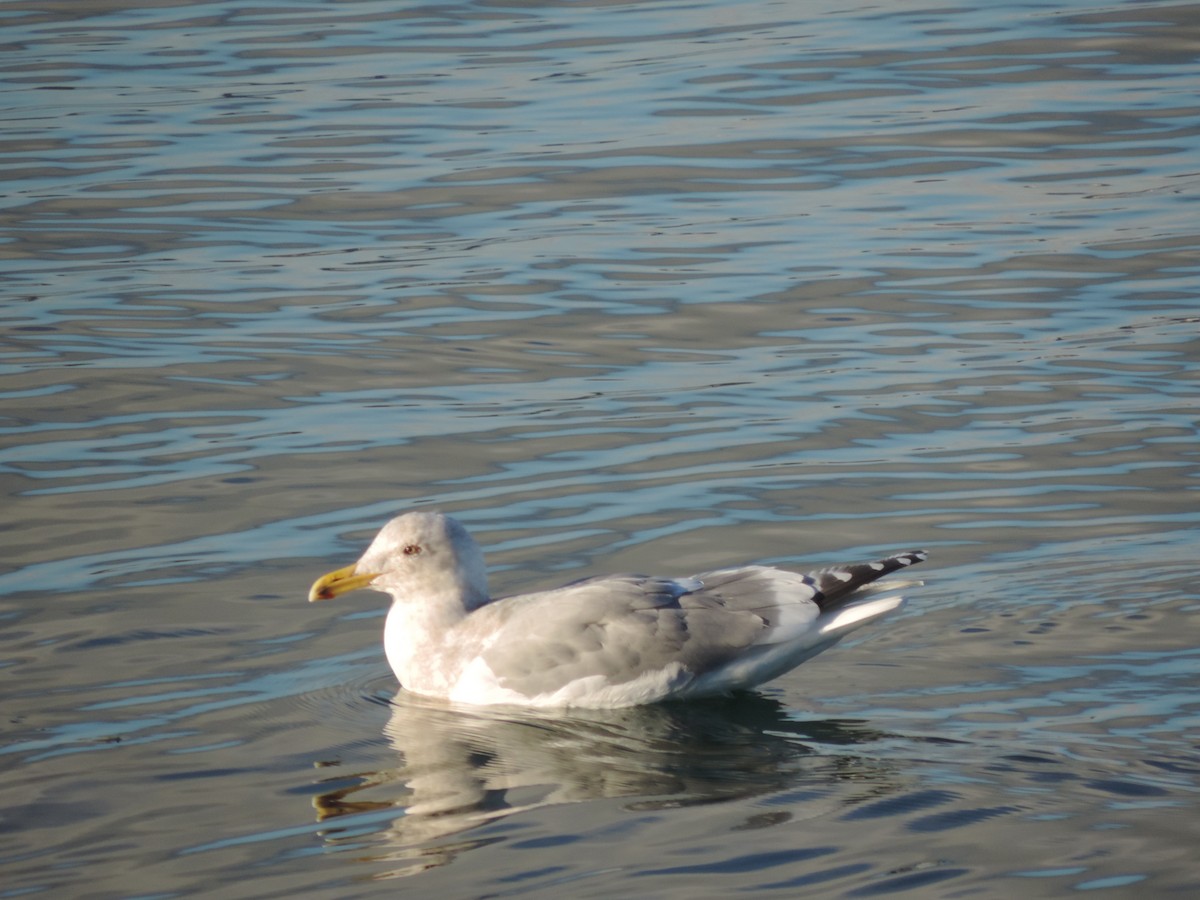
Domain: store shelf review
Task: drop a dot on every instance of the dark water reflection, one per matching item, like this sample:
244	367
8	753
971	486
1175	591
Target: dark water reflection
459	767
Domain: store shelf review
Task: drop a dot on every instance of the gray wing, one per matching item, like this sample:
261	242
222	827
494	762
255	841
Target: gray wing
750	621
617	627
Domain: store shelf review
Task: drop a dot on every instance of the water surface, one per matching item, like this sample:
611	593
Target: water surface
656	287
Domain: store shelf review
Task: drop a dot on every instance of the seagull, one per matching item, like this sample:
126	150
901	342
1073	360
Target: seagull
604	642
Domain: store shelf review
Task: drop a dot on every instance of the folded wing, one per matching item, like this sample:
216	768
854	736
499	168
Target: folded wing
616	640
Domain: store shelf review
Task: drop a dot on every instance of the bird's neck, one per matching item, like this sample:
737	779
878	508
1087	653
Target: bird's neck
421	643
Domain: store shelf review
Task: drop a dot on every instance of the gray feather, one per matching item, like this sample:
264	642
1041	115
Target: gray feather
622	627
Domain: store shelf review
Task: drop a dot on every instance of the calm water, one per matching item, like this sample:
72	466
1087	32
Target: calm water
626	286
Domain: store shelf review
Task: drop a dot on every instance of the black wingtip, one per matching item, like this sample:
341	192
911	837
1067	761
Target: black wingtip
837	585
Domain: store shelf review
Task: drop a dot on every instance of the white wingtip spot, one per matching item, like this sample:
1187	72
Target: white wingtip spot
860	613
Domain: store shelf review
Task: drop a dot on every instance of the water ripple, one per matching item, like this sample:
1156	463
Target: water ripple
643	287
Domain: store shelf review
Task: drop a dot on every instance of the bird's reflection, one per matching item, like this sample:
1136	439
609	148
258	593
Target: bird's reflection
462	766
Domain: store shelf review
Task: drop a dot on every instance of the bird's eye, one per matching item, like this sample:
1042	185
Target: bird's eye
412	549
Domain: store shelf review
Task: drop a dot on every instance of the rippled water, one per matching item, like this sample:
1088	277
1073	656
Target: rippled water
652	286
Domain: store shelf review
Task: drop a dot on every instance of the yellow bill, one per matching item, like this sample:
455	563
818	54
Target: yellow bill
338	582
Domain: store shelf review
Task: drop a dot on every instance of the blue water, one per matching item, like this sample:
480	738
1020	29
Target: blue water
652	287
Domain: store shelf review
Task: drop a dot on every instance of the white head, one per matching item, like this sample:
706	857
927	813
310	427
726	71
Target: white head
419	555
